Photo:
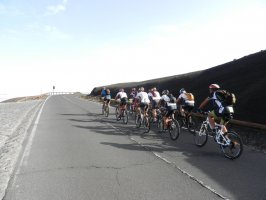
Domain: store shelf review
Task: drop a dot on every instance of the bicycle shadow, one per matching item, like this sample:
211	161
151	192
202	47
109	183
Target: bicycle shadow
235	179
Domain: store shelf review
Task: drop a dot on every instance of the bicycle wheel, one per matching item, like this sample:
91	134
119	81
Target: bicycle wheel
103	110
174	129
138	121
146	124
106	111
191	124
201	135
125	116
130	109
160	124
234	147
181	120
117	114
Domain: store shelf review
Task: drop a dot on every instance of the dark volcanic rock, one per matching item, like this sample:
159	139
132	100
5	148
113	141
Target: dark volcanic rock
245	77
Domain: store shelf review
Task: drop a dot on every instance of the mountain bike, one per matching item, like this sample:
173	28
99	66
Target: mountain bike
132	105
187	121
124	114
172	126
230	142
142	119
105	110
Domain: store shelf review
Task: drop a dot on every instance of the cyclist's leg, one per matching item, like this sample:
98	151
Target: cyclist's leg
224	123
166	117
154	113
211	118
181	110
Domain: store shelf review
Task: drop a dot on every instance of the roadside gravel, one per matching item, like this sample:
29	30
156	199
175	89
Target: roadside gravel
15	120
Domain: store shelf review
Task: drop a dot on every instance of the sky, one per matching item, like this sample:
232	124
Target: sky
76	45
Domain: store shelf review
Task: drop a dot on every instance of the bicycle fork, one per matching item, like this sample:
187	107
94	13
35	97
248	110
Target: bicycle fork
221	139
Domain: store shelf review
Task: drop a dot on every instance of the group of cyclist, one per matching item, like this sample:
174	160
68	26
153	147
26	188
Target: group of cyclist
167	103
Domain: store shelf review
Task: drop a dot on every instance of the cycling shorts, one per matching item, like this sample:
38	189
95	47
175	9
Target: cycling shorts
144	105
188	108
154	104
107	100
123	101
218	116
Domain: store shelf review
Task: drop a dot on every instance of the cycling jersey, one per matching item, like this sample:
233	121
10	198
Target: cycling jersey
121	95
133	95
217	105
144	98
156	96
107	97
164	100
103	93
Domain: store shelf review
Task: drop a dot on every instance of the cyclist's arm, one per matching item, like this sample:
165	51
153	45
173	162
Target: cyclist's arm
178	100
204	103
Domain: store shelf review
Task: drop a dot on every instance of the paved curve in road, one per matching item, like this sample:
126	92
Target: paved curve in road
73	152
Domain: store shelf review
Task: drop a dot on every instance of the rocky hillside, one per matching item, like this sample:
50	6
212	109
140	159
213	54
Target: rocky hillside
246	77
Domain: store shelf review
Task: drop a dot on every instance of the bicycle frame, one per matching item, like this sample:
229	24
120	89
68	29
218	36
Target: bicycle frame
219	134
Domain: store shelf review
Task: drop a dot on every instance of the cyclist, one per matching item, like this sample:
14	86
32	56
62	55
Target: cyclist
186	102
163	105
216	108
133	94
103	92
107	98
144	101
122	97
155	100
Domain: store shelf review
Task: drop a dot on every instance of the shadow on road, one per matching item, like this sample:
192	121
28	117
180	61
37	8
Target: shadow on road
243	178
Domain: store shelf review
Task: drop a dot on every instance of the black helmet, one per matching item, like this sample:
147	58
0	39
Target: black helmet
165	92
182	90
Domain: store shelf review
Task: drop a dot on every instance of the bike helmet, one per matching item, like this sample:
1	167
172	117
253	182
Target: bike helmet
182	90
165	92
214	86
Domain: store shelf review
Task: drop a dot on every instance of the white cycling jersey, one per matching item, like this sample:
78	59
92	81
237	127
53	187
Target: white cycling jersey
165	98
144	98
121	95
156	96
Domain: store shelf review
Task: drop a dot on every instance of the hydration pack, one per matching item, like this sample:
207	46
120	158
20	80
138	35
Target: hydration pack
190	96
225	97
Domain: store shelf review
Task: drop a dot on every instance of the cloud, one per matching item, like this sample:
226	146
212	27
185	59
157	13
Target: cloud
55	32
5	10
55	9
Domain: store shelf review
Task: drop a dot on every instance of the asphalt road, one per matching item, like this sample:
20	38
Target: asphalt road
73	152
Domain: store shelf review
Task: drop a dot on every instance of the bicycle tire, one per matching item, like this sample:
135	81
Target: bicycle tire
102	109
125	116
138	121
106	111
174	129
191	124
200	135
235	148
160	124
146	125
117	114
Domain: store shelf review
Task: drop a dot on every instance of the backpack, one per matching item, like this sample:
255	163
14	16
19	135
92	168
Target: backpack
225	97
190	96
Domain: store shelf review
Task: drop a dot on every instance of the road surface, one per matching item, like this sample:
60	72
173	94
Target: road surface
74	152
